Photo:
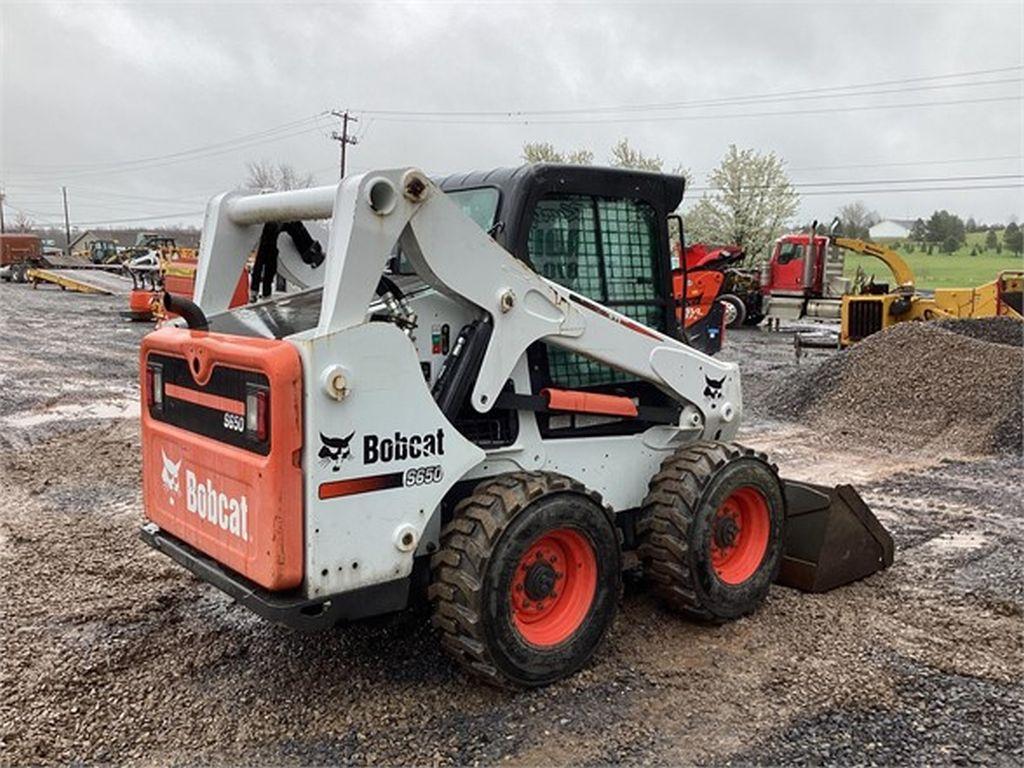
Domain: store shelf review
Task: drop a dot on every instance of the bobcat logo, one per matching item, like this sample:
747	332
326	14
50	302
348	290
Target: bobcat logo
170	473
713	387
334	450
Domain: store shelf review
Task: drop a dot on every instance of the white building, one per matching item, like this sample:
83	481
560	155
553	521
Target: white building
891	229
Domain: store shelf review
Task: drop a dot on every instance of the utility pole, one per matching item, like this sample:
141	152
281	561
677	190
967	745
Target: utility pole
343	137
3	229
67	221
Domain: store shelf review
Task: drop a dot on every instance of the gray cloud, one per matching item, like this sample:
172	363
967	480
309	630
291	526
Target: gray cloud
85	84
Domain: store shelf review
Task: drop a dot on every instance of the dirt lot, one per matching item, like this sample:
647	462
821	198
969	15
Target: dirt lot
113	654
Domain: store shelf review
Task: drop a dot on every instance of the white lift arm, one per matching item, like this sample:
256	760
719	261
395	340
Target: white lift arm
371	212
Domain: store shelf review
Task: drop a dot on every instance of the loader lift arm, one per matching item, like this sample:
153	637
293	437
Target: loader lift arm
901	271
453	255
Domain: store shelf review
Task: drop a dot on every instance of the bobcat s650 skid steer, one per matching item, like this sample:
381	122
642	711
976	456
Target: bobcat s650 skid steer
477	393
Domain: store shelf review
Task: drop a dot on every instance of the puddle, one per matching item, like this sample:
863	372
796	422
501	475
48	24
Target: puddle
120	408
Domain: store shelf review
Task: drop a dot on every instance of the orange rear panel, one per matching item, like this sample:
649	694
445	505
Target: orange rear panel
241	508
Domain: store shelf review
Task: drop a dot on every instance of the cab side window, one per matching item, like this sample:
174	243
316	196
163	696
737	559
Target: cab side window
790	252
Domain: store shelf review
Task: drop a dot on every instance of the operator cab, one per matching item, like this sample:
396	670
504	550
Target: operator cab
600	232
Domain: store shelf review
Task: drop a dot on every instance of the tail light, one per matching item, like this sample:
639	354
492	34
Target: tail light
256	412
154	385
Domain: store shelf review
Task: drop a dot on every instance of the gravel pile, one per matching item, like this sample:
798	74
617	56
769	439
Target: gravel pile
998	330
955	385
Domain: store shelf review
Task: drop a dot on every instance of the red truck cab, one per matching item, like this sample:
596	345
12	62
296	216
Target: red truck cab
786	268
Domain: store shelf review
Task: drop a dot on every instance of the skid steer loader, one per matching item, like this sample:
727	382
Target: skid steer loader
479	397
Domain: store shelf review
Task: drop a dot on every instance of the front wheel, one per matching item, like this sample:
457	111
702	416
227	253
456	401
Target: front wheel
711	530
735	310
526	582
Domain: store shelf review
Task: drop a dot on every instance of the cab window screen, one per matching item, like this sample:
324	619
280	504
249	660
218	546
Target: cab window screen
629	241
606	249
563	243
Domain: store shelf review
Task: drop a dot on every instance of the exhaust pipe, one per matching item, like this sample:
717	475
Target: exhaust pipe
810	258
189	311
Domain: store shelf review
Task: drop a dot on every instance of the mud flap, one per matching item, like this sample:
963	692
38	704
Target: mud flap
831	538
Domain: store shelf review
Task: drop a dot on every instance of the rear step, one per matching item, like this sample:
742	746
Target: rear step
831	539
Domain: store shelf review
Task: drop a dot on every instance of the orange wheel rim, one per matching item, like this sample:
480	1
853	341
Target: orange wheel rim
739	535
553	587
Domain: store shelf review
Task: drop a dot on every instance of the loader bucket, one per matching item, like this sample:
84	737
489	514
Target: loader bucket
831	538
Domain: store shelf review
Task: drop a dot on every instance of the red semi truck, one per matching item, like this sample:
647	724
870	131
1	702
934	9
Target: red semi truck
796	287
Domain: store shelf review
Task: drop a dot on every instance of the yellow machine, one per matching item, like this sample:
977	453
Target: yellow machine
874	308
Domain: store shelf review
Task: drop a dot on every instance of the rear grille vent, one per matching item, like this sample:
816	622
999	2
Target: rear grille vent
865	318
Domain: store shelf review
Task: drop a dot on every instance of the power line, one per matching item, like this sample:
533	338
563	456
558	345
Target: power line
127	220
726	102
113	170
907	163
826	90
852	183
818	193
236	140
687	118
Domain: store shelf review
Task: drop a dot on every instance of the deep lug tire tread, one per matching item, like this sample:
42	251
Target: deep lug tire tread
668	514
457	589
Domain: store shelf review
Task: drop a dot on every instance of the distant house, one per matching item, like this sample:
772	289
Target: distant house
891	229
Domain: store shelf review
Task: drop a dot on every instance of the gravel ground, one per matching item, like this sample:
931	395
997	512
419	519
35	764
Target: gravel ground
114	654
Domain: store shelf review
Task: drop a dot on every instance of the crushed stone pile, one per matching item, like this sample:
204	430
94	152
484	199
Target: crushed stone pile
955	385
998	330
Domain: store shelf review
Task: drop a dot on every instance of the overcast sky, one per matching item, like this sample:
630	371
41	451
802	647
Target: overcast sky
111	100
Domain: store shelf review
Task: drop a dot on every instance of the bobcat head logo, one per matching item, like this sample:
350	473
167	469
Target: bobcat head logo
713	387
170	473
334	450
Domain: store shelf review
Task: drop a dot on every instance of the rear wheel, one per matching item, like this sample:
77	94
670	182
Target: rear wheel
527	579
735	310
711	530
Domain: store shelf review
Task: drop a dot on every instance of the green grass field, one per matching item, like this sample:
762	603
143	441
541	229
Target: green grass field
942	270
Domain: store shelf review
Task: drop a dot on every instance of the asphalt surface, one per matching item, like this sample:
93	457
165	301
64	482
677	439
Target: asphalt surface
111	653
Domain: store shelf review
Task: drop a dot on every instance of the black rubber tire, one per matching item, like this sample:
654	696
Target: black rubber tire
676	523
738	305
473	570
